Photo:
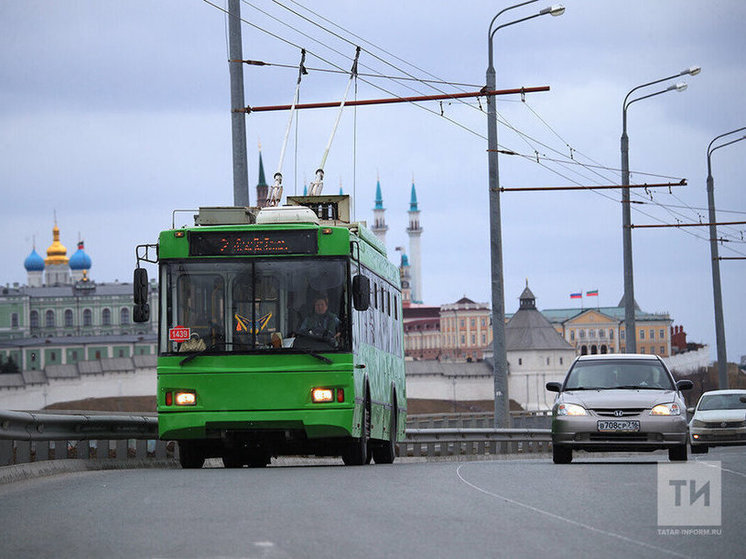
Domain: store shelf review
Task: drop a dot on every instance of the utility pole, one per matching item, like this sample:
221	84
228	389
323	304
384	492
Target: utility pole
238	120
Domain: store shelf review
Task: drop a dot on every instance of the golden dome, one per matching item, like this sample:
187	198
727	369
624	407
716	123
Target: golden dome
56	253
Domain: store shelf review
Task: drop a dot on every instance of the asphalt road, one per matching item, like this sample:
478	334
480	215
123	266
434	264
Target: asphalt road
503	508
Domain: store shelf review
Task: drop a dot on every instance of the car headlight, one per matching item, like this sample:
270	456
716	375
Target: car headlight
698	423
666	409
571	409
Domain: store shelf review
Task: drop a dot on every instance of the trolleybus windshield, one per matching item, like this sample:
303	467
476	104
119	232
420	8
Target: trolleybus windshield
256	305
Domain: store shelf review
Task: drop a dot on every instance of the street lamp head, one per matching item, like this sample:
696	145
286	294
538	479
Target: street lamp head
681	86
692	71
555	10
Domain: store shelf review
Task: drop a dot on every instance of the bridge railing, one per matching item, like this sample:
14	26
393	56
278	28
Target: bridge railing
518	420
37	436
475	441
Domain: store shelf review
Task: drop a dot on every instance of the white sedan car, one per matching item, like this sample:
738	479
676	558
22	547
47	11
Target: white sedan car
719	420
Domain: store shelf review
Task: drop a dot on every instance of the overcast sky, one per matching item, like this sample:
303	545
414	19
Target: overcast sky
115	113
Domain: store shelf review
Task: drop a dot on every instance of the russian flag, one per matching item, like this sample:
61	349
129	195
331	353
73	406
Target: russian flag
576	295
593	293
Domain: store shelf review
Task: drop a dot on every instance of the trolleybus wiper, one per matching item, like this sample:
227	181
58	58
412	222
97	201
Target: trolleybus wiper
208	349
312	353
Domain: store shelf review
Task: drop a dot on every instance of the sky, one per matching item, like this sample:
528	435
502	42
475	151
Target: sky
113	114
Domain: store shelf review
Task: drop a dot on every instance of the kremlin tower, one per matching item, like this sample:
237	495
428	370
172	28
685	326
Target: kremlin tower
56	268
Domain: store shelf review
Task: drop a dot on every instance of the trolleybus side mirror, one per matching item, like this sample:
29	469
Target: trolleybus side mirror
360	292
142	308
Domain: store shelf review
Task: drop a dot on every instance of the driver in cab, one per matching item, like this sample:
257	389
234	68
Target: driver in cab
323	323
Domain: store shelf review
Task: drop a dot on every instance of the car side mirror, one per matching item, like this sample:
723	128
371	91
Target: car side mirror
141	312
689	410
554	386
360	292
684	384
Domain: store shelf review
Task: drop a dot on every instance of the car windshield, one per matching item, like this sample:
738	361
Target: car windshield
248	305
722	402
622	373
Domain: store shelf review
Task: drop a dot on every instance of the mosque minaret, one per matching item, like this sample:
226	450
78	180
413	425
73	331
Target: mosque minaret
415	231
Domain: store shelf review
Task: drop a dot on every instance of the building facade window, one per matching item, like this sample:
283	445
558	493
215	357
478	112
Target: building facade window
642	334
14	320
49	319
663	350
572	335
652	334
124	317
611	334
68	318
34	319
661	334
87	317
106	317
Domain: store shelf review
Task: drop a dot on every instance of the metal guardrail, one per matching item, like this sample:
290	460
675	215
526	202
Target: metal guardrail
474	441
30	426
36	436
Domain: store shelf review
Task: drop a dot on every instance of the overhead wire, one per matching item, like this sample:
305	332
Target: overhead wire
563	162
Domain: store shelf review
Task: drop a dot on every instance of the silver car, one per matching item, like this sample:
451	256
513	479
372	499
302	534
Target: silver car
719	420
619	402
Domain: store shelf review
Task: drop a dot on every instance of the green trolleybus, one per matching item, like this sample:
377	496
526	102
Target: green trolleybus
280	332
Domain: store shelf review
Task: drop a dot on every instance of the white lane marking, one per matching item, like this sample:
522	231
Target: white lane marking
567	520
721	467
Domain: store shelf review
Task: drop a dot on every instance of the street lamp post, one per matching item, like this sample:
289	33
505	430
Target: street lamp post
499	357
716	291
629	288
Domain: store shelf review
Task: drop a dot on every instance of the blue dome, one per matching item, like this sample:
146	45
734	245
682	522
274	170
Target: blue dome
80	260
34	262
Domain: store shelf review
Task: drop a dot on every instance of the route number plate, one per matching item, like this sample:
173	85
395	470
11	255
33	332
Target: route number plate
178	334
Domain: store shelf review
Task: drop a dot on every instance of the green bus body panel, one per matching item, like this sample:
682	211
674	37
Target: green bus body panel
273	391
239	389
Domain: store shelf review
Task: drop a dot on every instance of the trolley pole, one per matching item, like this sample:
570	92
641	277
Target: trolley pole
238	120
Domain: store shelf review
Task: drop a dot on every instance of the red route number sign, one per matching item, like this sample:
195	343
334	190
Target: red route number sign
179	334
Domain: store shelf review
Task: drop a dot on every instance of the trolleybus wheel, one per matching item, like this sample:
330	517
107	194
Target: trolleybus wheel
259	460
358	454
191	455
385	453
233	460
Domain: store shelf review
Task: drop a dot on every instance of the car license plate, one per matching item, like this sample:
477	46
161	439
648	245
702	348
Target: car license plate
625	425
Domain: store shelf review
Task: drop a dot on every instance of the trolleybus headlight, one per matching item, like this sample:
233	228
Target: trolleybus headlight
185	398
319	395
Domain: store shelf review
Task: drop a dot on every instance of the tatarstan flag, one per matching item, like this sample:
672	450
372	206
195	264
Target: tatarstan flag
593	293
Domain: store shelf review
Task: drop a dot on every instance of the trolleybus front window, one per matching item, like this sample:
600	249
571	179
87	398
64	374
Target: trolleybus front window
257	305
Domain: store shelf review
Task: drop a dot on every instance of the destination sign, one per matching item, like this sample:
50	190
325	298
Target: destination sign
237	243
